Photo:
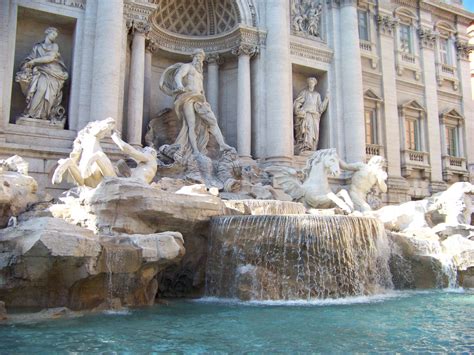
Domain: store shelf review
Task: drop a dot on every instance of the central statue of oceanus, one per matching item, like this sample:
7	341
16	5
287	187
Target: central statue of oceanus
184	81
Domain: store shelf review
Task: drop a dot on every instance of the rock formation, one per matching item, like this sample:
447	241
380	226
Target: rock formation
47	262
18	189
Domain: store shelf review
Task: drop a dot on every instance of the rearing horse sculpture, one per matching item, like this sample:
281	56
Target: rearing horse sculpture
315	191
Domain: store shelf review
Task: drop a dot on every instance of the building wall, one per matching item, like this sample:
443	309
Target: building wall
387	80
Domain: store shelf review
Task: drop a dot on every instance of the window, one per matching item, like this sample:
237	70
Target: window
452	141
371	127
445	51
363	25
412	134
405	39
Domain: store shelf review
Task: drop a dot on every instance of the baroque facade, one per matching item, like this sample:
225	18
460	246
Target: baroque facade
396	72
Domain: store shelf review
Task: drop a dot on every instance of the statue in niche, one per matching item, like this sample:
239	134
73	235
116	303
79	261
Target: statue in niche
366	177
87	164
184	81
308	108
41	77
306	17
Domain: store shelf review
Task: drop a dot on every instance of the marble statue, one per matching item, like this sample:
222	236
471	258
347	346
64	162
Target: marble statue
308	108
306	17
452	207
41	77
14	163
87	164
184	81
315	191
146	159
365	177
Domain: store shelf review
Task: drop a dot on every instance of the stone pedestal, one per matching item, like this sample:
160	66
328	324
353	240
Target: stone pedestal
33	122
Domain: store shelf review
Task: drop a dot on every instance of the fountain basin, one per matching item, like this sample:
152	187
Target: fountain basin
296	257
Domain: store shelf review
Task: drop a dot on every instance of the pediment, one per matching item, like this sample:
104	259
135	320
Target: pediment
370	95
452	114
412	105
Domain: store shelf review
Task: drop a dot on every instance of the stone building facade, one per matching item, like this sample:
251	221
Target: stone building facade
397	73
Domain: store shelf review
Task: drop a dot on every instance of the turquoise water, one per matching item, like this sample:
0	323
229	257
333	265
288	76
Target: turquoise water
405	322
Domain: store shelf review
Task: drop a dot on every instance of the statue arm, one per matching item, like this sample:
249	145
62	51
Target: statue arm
128	149
323	107
381	178
180	74
52	56
350	166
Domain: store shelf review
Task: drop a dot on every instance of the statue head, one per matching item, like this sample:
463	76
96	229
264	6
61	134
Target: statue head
312	82
327	157
51	33
100	129
377	161
198	59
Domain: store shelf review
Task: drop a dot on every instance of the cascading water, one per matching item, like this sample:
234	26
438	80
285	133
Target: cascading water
296	257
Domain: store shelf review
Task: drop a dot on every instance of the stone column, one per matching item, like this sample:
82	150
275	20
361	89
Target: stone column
352	88
151	48
136	84
278	74
427	44
105	90
244	107
212	94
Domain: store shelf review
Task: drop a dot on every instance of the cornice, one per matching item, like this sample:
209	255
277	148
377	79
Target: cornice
175	43
138	11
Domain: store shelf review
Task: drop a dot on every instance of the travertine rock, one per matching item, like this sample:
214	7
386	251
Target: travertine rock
47	262
129	206
17	191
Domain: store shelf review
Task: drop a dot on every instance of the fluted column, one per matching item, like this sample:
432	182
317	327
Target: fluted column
136	84
352	88
105	91
278	73
212	94
244	107
427	44
151	48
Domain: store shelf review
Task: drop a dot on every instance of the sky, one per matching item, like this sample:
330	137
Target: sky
469	4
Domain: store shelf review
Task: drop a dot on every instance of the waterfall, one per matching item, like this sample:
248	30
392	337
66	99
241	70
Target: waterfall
266	207
296	257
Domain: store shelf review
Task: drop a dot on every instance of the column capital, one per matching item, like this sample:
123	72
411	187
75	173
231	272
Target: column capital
138	27
245	49
387	24
214	58
427	37
463	50
151	45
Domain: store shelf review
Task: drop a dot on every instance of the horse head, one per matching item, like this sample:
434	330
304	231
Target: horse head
327	158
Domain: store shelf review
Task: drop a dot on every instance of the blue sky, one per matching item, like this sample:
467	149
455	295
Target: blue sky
469	4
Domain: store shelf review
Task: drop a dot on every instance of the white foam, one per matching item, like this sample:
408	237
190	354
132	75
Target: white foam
302	302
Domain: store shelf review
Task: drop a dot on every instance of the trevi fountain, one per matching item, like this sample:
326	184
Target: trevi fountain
187	244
